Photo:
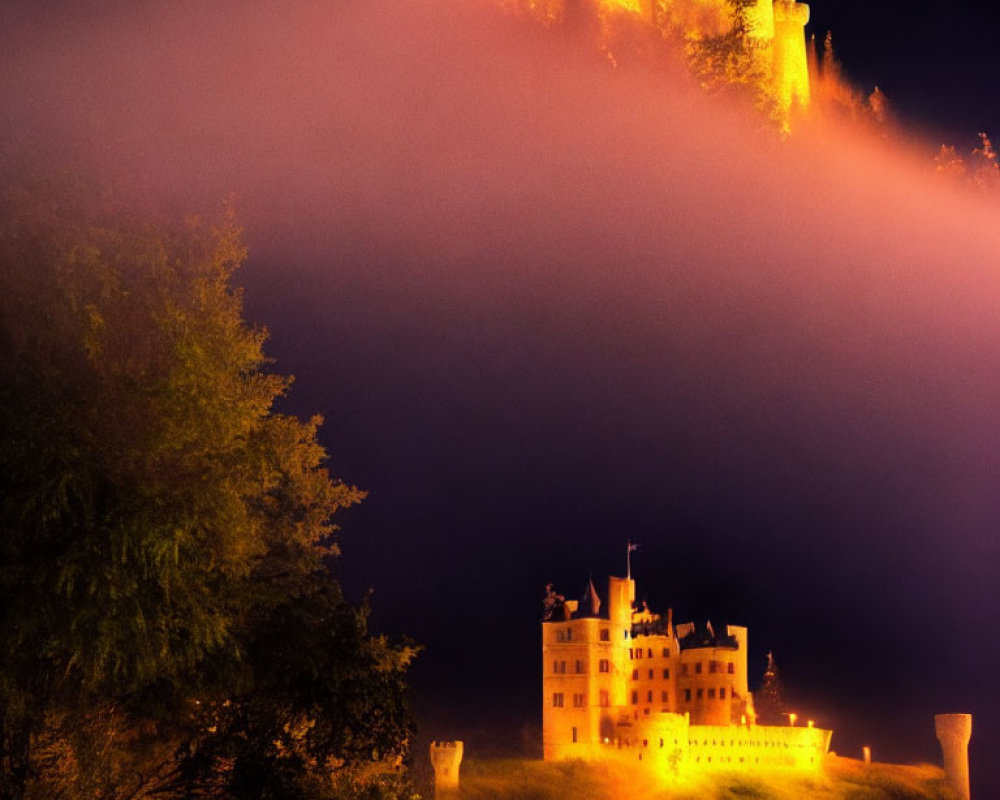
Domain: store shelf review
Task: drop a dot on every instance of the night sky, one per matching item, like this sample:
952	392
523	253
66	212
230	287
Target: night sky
545	306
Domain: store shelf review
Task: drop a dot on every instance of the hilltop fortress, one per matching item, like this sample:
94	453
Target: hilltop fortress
631	686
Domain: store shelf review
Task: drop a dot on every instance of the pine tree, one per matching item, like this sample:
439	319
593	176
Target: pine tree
768	701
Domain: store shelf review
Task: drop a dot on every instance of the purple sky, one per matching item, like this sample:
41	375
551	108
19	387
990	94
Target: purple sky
545	306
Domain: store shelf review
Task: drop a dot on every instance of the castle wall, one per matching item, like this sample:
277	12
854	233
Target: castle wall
706	684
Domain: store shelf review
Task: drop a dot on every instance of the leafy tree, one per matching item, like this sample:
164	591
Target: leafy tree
167	622
733	56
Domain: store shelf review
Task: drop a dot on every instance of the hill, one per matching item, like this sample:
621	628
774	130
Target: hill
843	779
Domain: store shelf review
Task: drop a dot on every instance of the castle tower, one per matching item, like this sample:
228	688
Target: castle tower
953	732
791	66
446	757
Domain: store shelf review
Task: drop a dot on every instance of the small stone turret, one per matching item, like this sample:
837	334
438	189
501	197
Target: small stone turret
954	732
446	757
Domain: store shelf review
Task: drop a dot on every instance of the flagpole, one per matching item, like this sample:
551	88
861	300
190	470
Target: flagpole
628	559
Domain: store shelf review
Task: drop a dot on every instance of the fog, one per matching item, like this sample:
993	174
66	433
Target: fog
546	304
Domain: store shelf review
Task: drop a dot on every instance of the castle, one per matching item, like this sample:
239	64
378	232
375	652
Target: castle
634	687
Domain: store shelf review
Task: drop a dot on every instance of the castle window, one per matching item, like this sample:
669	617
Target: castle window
603	665
687	695
557	700
711	694
666	674
578	665
605	635
649	697
651	674
569	634
574	734
649	653
560	635
645	742
684	669
712	667
577	701
663	697
730	669
635	698
661	742
635	674
605	698
666	652
722	693
638	652
697	668
698	696
645	711
562	668
631	653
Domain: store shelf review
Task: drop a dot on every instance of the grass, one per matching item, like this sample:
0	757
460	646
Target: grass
843	779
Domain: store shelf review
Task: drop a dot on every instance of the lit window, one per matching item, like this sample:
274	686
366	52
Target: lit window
697	668
729	669
635	698
603	665
638	652
631	653
605	635
666	652
577	701
578	666
557	700
635	674
605	698
699	694
722	693
666	674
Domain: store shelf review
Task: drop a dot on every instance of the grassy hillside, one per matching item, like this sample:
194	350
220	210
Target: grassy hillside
843	779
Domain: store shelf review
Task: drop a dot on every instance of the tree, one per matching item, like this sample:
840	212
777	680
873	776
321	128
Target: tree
768	701
164	530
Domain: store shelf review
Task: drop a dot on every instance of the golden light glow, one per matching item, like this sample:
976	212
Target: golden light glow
776	63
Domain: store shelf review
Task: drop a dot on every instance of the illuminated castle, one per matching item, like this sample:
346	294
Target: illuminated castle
633	686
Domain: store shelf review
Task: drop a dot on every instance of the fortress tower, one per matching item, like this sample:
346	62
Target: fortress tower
446	758
953	732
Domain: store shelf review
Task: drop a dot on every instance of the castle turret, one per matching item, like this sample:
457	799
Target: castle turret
791	65
954	732
446	757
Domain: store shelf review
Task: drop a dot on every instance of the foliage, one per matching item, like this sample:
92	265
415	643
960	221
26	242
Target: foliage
167	622
731	56
768	702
